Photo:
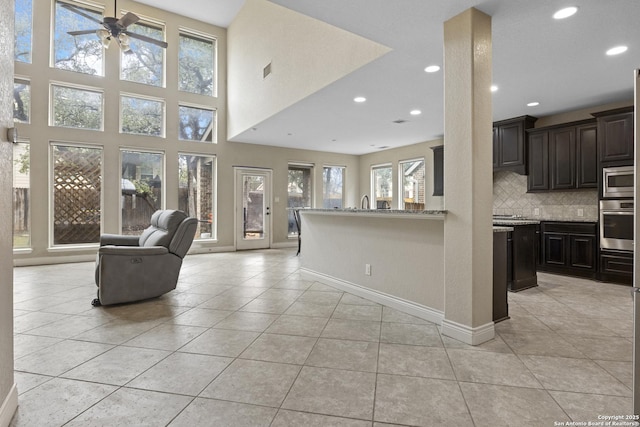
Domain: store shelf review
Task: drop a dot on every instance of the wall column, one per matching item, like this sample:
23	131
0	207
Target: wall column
468	175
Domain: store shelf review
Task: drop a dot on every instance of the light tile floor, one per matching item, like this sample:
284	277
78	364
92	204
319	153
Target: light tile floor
244	341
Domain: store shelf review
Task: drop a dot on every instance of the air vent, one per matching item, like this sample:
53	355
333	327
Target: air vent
382	147
399	121
266	70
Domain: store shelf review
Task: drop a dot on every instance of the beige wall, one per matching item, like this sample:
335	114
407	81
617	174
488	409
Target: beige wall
393	156
581	114
7	392
305	55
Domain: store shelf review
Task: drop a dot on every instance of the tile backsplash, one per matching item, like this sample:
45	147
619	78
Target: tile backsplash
510	197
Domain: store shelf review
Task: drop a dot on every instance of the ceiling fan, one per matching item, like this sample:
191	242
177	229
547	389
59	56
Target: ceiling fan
114	28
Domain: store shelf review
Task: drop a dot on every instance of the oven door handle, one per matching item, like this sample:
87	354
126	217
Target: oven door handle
625	212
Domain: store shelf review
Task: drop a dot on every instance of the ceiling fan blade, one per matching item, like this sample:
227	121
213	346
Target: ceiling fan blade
146	39
81	32
128	19
80	12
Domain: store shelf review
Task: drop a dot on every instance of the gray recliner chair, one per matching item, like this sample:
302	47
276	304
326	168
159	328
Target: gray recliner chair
133	268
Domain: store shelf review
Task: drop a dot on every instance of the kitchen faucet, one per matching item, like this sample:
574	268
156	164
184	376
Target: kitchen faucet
364	202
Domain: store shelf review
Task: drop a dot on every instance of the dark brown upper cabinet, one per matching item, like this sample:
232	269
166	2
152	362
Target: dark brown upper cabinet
615	136
510	144
563	157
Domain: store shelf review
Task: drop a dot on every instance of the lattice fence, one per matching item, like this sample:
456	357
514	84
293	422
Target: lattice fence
77	186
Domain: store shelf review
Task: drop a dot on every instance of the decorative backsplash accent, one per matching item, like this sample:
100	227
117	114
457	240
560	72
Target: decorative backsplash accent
510	197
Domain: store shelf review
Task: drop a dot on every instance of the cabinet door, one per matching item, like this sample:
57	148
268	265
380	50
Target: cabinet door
562	158
511	144
583	251
538	178
555	250
587	155
615	137
496	148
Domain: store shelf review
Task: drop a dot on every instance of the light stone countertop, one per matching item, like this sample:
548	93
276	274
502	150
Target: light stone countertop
379	213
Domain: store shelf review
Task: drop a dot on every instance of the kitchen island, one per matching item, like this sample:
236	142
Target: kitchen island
373	254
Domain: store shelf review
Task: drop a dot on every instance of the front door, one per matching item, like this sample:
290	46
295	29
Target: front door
253	208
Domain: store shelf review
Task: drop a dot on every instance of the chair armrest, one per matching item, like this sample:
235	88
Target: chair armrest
132	250
119	240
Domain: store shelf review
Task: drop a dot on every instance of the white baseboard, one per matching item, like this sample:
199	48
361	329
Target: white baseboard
471	336
210	249
417	310
9	406
23	262
284	245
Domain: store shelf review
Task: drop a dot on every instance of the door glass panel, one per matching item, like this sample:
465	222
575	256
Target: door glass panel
253	207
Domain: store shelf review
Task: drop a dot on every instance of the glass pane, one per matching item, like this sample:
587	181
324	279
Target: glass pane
413	185
383	187
77	186
195	194
253	206
332	187
76	108
144	63
142	116
196	60
299	193
21	197
21	101
142	176
82	53
23	30
196	124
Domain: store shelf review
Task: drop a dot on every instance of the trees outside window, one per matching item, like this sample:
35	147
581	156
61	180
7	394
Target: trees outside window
195	191
196	59
412	184
21	197
74	107
332	187
141	116
382	185
300	194
83	53
196	124
23	30
144	63
76	190
142	188
21	101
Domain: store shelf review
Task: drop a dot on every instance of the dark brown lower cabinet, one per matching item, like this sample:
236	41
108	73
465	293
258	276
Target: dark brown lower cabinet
616	266
500	304
569	248
521	254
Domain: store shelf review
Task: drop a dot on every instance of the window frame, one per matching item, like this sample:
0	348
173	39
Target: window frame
29	247
214	122
160	25
69	85
163	133
374	197
30	61
51	204
342	189
188	32
27	81
401	179
214	191
311	168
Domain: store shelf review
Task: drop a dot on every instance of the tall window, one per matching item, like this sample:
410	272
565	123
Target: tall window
21	197
195	191
75	107
21	101
23	30
144	63
142	178
81	53
300	192
413	185
382	186
77	188
141	116
196	62
196	124
332	187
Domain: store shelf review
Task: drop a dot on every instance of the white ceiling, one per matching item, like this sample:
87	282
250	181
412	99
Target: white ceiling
561	64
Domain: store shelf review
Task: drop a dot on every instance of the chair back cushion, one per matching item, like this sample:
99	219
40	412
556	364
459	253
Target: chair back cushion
164	224
183	238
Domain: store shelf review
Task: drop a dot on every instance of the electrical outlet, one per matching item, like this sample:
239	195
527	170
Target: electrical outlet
367	269
580	212
536	211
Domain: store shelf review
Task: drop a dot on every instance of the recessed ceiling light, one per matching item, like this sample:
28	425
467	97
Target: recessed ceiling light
494	88
359	99
617	50
565	13
533	104
432	68
415	112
